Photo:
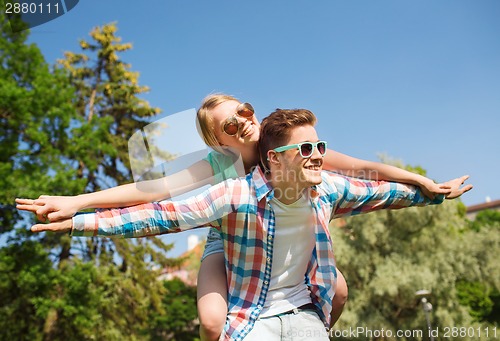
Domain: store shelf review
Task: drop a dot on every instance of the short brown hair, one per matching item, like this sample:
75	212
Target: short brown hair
276	128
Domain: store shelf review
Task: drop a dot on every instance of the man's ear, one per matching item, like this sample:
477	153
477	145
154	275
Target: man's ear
272	157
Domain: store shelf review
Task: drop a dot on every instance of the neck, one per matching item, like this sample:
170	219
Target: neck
286	192
250	157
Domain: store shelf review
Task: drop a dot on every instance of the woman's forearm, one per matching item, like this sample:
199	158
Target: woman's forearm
350	166
198	175
124	195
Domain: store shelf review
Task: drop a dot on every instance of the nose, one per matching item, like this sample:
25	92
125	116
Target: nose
242	119
316	155
316	152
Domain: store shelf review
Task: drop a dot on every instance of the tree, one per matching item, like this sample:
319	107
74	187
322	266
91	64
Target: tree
26	276
387	256
63	131
35	113
482	298
180	319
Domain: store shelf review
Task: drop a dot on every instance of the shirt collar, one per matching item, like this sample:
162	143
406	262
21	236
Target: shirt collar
263	187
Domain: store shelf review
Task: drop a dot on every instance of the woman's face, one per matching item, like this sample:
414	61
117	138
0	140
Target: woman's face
248	128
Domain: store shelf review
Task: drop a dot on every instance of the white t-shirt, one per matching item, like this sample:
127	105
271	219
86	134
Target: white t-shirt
293	245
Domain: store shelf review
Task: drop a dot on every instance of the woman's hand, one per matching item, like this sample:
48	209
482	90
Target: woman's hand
50	208
431	189
456	188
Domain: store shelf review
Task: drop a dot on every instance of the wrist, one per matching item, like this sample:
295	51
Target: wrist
81	202
422	181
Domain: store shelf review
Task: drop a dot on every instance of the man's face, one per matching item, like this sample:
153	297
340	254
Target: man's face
292	168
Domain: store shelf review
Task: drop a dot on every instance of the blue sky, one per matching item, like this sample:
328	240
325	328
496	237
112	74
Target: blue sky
416	80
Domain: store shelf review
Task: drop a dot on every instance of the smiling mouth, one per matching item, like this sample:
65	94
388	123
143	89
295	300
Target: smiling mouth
314	168
246	130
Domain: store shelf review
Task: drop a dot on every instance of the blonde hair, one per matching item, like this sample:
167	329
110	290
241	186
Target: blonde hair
205	121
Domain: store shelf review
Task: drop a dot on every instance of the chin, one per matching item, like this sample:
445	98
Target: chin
255	136
314	177
317	181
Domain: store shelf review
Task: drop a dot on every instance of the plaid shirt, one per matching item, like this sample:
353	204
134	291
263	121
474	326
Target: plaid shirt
241	210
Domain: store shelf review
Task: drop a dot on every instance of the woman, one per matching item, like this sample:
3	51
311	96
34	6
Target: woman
232	130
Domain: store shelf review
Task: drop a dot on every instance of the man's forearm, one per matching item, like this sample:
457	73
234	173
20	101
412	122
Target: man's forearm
158	218
367	196
131	222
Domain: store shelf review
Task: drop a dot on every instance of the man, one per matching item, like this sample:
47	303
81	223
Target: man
274	223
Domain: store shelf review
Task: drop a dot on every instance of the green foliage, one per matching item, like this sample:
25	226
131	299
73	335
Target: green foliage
64	130
384	158
109	107
35	113
494	316
26	276
486	219
180	319
387	256
78	301
476	296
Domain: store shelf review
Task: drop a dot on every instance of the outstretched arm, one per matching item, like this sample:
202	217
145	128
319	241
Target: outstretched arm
156	218
55	208
350	166
353	196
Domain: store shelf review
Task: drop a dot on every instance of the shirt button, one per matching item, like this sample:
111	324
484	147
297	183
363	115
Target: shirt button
266	282
268	259
259	306
269	237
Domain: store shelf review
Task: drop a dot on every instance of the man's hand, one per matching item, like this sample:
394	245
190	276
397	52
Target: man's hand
455	187
61	226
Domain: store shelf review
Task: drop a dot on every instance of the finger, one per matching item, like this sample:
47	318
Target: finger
40	228
31	208
467	188
55	216
53	227
39	202
43	210
443	190
23	201
464	178
41	218
41	215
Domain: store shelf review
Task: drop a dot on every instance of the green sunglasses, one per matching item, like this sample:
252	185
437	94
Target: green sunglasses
306	149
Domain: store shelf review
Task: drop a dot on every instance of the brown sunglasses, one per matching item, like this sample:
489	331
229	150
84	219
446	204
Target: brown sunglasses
231	125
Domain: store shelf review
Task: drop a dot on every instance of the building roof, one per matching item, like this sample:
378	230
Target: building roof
495	204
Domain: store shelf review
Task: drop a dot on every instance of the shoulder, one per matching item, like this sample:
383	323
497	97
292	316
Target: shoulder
341	184
216	158
331	181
